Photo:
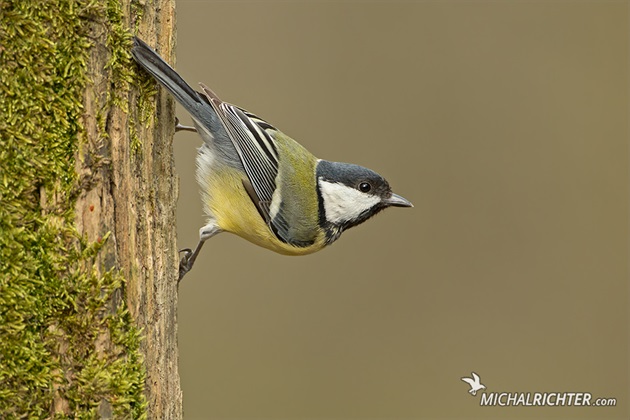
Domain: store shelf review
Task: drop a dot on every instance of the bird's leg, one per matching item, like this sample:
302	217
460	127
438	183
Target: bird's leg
180	127
188	260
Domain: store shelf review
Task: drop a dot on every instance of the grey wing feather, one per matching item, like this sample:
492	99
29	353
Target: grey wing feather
259	155
232	129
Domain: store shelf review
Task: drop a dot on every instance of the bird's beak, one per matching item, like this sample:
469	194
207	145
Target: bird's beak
397	201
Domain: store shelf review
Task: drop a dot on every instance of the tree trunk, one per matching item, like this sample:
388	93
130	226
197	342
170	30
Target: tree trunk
88	257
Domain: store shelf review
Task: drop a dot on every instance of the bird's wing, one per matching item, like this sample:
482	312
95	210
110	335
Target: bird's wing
258	153
475	377
468	381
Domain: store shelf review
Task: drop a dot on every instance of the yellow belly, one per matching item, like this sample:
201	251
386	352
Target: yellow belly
226	200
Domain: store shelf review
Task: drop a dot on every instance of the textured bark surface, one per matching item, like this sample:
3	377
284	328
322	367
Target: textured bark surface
88	259
132	194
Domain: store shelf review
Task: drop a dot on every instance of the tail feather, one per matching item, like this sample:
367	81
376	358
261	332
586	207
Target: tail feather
194	102
163	73
208	122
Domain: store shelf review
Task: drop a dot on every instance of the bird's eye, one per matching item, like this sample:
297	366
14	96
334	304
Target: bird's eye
364	187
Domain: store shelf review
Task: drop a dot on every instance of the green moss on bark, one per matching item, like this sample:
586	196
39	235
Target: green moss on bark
68	346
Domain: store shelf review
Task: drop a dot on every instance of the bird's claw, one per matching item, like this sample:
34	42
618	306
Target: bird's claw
188	260
180	127
185	263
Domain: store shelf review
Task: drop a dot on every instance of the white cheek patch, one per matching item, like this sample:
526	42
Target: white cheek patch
343	203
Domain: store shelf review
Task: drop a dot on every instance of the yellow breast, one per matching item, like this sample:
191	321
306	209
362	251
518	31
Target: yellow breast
226	200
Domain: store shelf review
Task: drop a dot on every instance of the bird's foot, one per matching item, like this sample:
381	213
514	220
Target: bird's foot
185	263
188	259
181	127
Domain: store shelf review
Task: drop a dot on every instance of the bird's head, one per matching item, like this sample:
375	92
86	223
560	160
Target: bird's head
350	194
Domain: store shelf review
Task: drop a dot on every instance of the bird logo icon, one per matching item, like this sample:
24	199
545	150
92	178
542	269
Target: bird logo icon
475	384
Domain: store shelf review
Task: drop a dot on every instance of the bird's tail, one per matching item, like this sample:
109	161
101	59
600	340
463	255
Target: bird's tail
198	106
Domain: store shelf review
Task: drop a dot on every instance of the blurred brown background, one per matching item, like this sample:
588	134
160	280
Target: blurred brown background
506	124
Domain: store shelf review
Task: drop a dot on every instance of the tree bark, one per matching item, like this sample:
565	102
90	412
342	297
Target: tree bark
134	198
88	256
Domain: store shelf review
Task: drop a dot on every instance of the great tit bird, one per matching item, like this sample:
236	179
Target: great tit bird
261	185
